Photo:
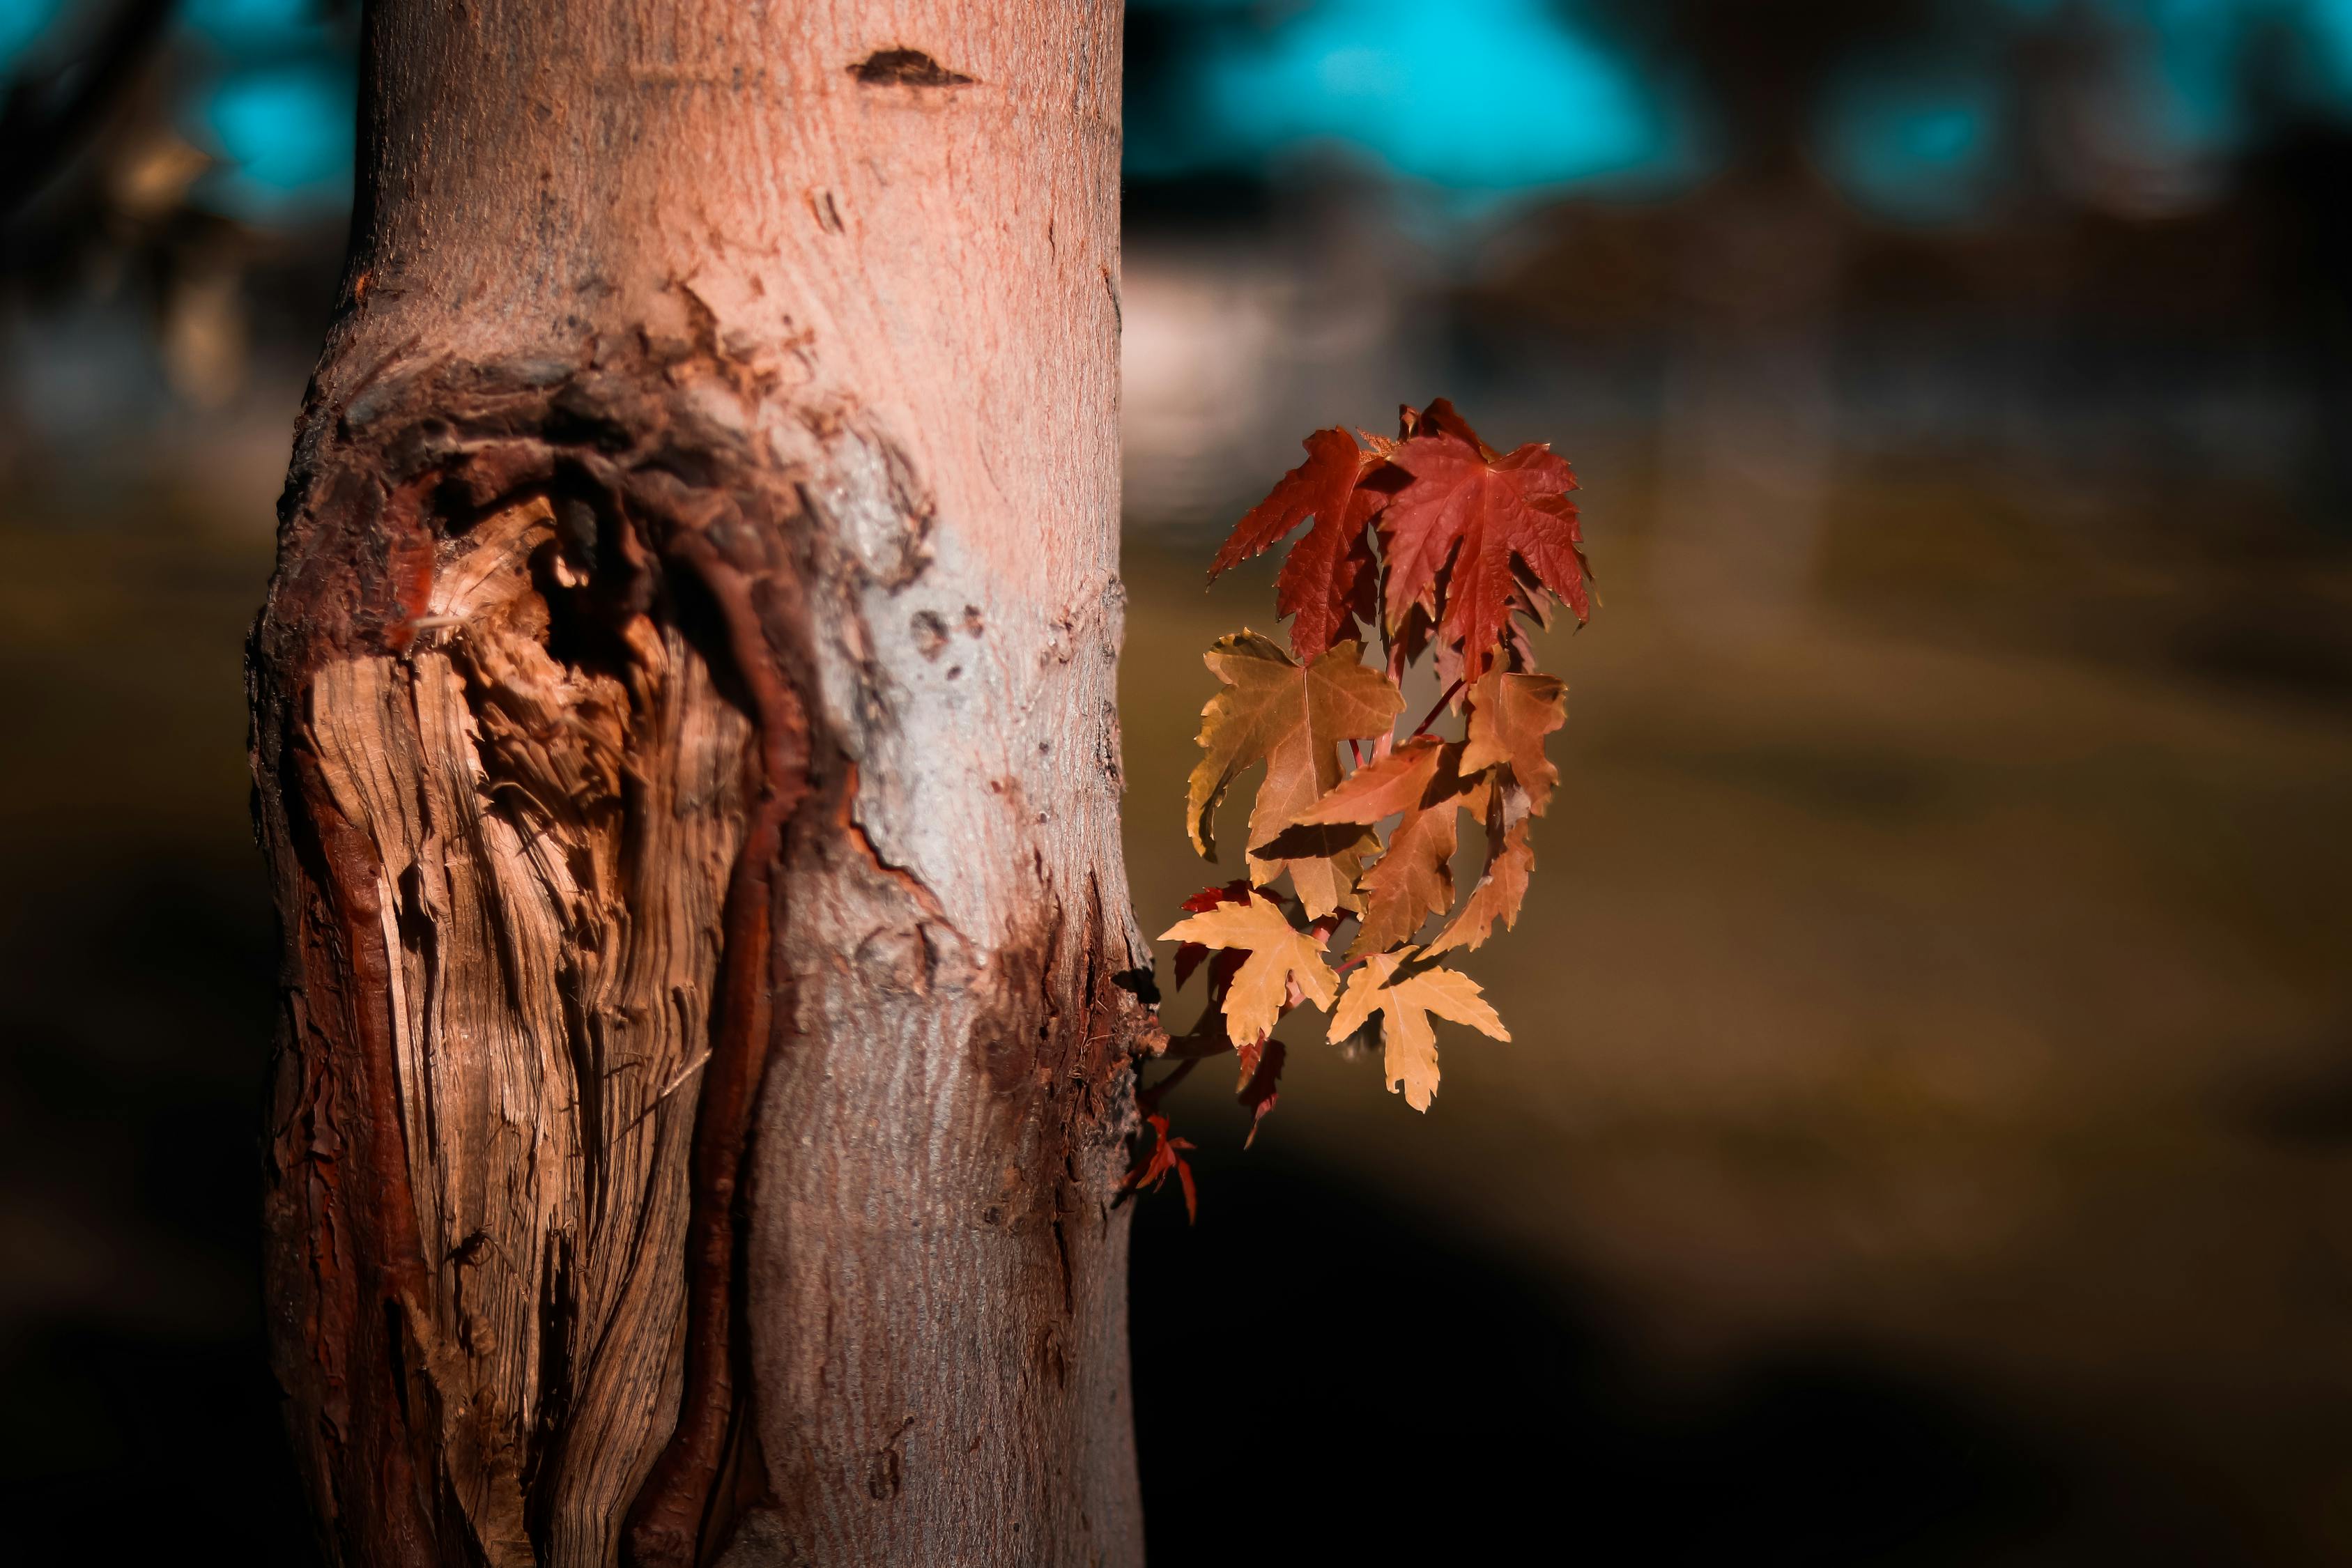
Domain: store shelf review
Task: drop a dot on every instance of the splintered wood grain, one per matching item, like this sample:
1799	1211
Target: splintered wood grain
554	845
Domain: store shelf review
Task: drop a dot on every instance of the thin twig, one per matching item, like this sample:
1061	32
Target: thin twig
1148	1100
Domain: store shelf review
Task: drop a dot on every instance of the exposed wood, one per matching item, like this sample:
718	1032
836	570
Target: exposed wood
686	741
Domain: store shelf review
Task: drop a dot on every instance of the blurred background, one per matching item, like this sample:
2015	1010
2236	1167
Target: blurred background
1926	1136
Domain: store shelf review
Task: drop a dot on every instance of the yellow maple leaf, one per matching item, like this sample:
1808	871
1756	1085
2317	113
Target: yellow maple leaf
1410	1045
1278	953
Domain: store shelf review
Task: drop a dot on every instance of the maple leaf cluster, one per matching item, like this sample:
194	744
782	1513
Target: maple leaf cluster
1436	546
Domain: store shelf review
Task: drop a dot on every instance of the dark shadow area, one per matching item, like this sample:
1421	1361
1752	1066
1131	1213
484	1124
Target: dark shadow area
1322	1376
187	1428
143	1424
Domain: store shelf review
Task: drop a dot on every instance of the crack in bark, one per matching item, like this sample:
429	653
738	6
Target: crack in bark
666	1524
390	1247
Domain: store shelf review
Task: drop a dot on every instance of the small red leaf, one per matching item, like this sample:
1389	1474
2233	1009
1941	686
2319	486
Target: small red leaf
1441	418
1328	579
1319	486
1261	1074
1167	1157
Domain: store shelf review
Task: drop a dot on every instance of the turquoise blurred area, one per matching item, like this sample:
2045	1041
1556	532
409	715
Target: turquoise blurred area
1504	98
22	23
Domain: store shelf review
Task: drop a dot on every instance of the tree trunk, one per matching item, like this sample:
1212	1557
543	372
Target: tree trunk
686	749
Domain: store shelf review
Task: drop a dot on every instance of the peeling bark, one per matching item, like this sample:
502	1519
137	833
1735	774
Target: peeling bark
684	746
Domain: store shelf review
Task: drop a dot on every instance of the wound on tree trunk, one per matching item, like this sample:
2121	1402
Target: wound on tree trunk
684	746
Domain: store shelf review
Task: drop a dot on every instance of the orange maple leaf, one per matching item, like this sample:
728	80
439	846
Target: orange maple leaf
1510	714
1502	887
1420	783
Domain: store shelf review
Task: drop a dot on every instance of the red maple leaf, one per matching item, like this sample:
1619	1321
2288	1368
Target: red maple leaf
1470	530
1440	418
1167	1157
1327	580
1233	892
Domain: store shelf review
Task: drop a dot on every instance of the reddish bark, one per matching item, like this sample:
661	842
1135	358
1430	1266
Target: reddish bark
684	742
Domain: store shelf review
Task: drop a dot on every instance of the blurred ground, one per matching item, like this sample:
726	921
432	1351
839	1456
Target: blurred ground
137	954
1943	995
1926	1135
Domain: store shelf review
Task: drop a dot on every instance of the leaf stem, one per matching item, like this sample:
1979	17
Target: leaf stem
1422	728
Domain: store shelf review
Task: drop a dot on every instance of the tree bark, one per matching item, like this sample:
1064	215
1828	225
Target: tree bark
686	749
